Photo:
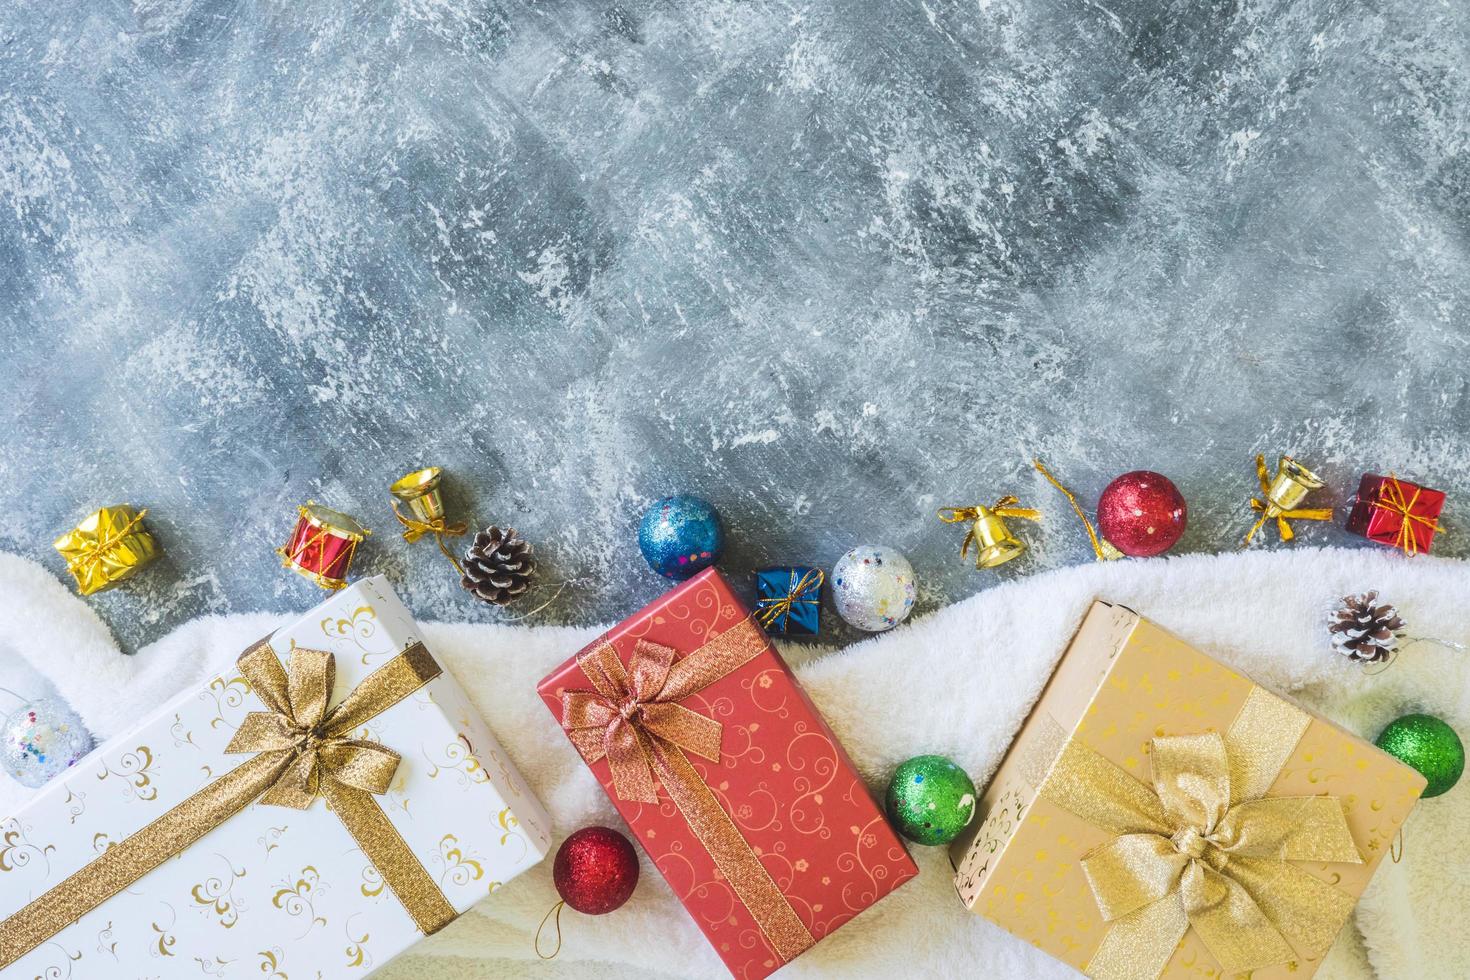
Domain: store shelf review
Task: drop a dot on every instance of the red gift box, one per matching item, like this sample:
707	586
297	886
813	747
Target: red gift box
728	776
1396	512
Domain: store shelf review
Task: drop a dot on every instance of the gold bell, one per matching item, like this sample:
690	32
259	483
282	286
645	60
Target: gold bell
420	491
1289	487
996	544
993	540
1283	493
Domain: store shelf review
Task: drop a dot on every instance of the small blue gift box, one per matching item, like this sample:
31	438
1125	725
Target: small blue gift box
789	600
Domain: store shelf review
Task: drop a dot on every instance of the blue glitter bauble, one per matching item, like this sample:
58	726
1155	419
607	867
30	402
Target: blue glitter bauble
680	535
42	740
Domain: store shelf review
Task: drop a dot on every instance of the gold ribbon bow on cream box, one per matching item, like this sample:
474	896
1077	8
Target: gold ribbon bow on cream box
1159	815
313	810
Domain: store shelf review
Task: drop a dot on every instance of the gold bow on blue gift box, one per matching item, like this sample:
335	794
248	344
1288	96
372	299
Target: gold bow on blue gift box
790	599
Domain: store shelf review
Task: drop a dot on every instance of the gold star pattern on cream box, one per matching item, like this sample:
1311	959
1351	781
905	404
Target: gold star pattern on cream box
1123	683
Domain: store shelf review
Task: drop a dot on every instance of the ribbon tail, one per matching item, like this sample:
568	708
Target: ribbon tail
1237	931
412	529
628	753
387	851
449	554
1256	505
123	864
1262	476
1306	910
689	730
1132	871
1104	550
295	788
1284	526
1139	945
752	884
588	742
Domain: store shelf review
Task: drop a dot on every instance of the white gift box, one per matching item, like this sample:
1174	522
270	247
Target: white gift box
274	892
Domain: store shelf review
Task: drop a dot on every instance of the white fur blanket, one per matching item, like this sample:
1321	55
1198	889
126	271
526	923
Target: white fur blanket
957	682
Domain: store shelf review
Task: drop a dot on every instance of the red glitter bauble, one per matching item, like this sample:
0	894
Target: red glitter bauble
596	870
1141	513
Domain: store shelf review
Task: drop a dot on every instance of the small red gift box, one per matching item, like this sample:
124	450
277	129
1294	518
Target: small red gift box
1396	512
729	777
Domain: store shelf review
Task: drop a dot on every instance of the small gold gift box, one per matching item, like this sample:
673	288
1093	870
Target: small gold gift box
1159	815
111	544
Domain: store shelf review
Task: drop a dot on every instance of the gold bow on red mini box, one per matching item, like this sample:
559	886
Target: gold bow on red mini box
1397	513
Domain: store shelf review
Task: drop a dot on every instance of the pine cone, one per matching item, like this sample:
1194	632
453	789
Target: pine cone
498	566
1365	632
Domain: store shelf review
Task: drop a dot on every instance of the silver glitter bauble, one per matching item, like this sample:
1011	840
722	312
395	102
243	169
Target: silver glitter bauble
41	740
873	587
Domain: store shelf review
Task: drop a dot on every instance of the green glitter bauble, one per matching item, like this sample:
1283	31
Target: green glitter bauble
1430	746
930	800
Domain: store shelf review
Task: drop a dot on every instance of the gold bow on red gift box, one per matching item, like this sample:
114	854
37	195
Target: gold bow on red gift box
634	717
1391	498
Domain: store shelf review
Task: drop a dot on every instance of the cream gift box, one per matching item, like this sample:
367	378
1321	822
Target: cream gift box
1159	815
271	890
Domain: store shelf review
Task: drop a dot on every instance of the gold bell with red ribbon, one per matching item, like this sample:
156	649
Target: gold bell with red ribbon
992	537
1283	493
419	490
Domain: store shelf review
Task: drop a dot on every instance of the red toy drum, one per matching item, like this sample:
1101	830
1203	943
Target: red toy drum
322	546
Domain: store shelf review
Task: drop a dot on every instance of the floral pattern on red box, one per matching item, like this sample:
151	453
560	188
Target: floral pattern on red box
782	778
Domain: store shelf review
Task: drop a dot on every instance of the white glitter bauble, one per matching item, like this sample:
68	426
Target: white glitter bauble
873	587
41	741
